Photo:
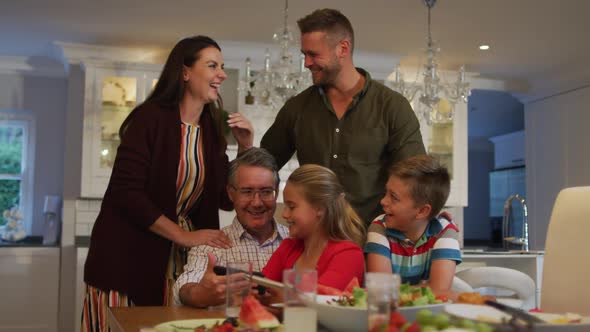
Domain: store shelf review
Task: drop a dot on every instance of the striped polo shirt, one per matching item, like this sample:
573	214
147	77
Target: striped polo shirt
412	261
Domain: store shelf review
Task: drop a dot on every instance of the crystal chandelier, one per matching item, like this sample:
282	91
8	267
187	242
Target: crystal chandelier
276	82
432	107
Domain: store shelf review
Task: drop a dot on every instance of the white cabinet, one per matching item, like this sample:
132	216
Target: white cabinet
30	286
81	254
111	91
509	150
449	143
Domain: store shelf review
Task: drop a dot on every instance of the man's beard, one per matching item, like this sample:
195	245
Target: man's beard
328	74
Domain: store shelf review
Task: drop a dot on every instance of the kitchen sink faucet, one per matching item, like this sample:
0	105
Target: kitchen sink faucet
507	224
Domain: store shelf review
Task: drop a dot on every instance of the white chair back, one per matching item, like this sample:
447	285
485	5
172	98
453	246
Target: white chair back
460	286
566	267
502	278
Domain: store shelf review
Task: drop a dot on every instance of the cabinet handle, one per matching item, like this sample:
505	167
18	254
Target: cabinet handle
517	160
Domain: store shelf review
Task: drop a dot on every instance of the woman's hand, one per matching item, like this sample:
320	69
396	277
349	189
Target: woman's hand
242	130
211	237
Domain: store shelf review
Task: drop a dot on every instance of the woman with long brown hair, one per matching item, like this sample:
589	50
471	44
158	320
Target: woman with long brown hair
167	185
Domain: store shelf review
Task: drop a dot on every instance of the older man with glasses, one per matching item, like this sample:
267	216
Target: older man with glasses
255	235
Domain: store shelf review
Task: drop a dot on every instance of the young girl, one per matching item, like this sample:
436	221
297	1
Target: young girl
325	232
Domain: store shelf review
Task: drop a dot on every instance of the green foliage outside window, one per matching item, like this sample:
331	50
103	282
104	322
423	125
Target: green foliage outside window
10	164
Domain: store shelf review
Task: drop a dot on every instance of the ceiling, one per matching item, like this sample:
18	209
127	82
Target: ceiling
538	42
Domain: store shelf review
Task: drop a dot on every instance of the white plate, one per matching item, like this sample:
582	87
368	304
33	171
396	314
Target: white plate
186	325
484	313
340	318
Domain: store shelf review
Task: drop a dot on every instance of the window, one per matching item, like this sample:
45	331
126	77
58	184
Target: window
16	161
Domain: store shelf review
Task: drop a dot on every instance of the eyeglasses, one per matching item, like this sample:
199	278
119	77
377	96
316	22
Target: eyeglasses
247	194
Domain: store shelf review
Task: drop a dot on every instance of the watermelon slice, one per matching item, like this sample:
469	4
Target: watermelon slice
253	314
327	290
352	284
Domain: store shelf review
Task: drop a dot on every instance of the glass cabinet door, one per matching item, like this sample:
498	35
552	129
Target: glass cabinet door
441	144
118	99
111	92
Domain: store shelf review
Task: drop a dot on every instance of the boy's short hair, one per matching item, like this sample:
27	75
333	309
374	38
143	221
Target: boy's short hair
428	179
330	21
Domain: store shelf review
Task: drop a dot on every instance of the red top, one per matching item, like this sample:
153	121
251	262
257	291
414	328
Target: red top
339	263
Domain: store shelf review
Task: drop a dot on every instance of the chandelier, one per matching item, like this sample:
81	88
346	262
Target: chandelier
276	82
432	107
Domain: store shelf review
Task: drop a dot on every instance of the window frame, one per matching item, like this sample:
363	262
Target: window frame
26	120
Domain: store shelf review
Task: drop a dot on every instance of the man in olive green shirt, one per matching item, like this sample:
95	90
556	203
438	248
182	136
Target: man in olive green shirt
346	121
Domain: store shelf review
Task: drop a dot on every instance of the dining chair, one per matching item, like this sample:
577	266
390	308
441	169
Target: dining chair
566	267
501	278
460	286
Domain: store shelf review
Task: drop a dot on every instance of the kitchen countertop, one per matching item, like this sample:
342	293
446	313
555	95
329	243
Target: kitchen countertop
497	251
501	253
82	241
29	241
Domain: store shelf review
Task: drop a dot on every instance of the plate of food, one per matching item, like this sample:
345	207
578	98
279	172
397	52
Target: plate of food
553	322
191	325
253	317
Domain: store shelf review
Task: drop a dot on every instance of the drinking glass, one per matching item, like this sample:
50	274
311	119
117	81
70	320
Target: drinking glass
238	285
300	290
382	289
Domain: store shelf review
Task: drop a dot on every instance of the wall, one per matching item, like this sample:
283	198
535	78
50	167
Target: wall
557	153
45	98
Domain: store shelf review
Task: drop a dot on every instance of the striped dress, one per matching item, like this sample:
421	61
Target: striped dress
412	261
189	186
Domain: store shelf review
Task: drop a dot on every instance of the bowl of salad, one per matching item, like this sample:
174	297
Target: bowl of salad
348	312
412	299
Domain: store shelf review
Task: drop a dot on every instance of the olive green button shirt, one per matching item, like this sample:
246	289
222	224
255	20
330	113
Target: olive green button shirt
378	128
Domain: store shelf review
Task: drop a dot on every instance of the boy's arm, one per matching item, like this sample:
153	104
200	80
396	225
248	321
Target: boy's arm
377	248
445	257
442	272
378	263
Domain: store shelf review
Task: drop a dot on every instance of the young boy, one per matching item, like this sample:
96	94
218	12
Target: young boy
408	239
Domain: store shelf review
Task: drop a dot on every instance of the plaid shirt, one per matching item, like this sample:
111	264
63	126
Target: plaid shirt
245	248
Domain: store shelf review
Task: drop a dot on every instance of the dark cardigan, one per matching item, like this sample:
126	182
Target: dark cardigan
124	255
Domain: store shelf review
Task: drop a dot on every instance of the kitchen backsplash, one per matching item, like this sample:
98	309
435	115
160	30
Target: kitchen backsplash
86	213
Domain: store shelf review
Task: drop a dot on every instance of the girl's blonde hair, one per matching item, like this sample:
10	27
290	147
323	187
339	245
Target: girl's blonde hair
322	189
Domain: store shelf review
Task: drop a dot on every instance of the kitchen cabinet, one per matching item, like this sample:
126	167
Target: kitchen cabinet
111	91
30	286
81	254
509	150
448	142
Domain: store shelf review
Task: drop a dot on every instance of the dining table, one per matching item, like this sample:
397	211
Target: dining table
134	319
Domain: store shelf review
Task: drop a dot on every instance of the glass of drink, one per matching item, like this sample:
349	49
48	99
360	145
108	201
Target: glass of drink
238	285
300	290
382	289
